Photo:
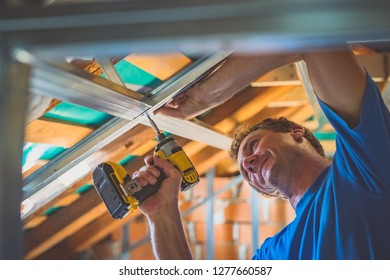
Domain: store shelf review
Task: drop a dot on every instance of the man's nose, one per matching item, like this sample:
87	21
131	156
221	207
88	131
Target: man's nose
249	163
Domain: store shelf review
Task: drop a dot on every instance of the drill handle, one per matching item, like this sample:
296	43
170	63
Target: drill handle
150	189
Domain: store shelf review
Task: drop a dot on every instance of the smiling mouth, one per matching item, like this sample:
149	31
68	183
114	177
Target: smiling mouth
262	164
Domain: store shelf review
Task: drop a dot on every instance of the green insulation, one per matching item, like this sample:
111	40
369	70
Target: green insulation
84	188
34	151
323	136
131	74
51	210
52	152
127	159
77	114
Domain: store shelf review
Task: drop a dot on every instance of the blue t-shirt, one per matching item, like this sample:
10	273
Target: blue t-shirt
345	214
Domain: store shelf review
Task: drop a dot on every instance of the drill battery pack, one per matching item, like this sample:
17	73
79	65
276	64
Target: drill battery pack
119	192
107	184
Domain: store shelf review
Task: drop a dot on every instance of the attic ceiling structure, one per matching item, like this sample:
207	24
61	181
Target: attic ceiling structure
77	79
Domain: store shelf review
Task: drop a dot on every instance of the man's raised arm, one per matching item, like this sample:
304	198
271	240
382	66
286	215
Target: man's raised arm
236	72
339	81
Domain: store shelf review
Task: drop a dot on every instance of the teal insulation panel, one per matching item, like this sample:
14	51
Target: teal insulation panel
77	114
131	74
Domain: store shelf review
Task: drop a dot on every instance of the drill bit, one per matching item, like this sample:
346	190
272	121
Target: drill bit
160	136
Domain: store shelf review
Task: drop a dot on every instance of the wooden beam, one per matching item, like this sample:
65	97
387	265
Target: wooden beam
91	66
62	224
295	97
86	237
38	164
208	158
162	66
259	103
283	76
220	113
53	203
375	63
54	133
125	145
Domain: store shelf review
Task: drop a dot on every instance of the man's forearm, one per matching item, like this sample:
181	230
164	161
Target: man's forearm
238	71
168	236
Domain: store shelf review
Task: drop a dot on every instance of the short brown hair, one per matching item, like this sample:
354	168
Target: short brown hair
275	124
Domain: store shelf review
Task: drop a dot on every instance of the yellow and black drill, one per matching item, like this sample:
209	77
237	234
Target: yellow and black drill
121	194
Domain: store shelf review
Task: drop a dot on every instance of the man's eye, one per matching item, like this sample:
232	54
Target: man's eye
252	145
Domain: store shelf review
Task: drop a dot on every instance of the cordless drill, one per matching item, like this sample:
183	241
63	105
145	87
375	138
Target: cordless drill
121	194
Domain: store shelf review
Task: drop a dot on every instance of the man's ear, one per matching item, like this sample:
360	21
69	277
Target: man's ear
297	132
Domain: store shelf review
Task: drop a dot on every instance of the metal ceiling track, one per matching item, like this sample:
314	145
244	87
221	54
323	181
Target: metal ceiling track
200	25
51	81
13	103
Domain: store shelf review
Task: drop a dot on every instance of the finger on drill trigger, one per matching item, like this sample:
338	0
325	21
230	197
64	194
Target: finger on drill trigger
148	160
150	164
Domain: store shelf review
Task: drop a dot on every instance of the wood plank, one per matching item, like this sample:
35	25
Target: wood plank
38	164
228	108
54	133
32	223
86	237
125	144
375	63
285	75
62	224
70	229
259	103
162	66
39	212
208	158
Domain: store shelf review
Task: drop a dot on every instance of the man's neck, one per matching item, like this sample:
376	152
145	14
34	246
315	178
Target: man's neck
306	175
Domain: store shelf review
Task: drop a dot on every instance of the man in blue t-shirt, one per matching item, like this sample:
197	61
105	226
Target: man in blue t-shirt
342	207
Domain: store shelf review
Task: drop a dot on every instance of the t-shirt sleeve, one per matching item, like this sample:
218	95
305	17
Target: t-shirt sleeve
364	151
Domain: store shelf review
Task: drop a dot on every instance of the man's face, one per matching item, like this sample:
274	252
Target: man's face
265	159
